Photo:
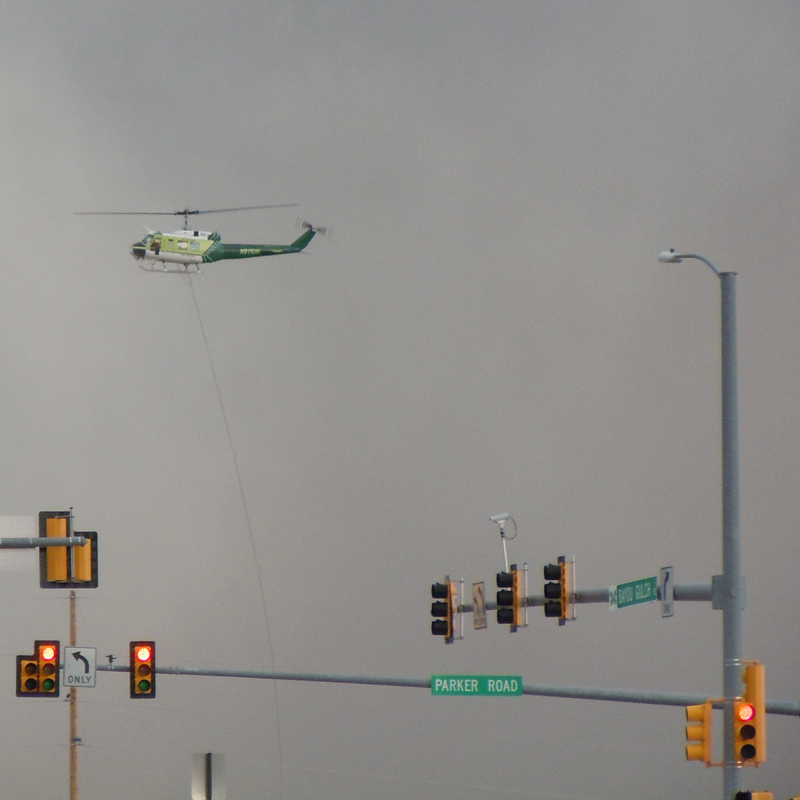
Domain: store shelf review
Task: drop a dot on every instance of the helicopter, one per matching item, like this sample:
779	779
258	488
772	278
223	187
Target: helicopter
185	250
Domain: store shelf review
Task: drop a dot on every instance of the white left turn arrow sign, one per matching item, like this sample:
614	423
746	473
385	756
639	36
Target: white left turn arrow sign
80	666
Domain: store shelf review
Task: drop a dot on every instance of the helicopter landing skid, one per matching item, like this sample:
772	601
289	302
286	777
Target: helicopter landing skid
179	269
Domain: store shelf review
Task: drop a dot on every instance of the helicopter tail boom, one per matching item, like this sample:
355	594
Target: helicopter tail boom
220	251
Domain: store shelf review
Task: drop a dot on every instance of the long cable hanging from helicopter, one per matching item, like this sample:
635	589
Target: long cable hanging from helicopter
182	252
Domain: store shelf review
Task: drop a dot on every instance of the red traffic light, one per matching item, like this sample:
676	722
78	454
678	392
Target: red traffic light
745	712
143	669
143	653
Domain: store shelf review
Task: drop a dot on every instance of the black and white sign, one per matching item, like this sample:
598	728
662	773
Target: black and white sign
80	666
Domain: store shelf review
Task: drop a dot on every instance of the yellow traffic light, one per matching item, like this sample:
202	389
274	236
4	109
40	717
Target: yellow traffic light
67	566
510	598
444	608
744	731
749	718
143	669
558	595
27	676
57	567
82	567
698	732
38	675
47	654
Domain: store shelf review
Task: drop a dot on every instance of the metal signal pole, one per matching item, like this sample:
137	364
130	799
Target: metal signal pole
728	593
732	583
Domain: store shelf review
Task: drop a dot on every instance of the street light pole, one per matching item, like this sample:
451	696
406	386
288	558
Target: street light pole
728	587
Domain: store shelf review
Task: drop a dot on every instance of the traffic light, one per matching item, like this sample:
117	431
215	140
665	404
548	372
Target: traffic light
557	591
444	608
753	795
66	567
509	598
143	669
54	524
698	732
38	675
749	718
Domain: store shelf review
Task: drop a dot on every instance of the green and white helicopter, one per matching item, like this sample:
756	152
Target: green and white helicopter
185	250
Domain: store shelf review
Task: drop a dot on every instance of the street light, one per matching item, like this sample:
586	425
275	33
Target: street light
671	257
728	592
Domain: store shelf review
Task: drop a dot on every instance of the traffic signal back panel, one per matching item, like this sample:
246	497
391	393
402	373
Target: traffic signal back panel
38	675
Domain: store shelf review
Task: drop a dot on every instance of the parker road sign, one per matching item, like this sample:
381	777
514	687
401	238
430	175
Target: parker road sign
80	666
477	685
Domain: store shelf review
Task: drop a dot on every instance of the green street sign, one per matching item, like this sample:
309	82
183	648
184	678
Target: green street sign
645	590
478	685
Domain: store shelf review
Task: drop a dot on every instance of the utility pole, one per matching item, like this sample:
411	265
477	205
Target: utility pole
73	707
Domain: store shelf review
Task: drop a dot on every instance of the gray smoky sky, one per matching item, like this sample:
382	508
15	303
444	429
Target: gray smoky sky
488	330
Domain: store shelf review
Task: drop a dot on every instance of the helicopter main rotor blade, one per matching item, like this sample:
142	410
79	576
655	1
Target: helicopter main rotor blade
185	213
126	213
243	208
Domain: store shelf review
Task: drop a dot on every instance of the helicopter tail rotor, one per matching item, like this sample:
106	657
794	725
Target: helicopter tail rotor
320	230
